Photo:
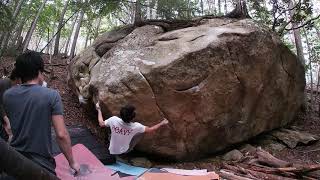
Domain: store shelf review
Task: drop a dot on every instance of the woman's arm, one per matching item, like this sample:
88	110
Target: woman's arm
156	127
100	117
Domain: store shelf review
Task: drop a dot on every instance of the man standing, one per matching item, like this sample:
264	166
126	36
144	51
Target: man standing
31	110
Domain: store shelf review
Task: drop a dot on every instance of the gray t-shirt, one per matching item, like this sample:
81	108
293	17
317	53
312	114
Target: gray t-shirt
29	108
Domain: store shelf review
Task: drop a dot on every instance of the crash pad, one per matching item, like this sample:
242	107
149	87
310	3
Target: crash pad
90	166
163	176
127	169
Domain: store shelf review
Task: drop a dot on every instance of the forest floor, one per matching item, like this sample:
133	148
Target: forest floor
75	114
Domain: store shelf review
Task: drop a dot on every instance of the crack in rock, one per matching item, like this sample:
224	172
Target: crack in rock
154	96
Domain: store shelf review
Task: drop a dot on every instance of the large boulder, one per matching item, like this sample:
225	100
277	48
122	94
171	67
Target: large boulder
218	83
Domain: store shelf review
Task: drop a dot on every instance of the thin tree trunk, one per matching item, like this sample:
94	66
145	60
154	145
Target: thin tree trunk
225	7
69	38
18	32
87	38
48	39
297	35
11	25
201	4
56	45
1	38
137	14
318	75
33	27
148	9
219	7
76	34
310	68
39	41
154	10
96	33
214	7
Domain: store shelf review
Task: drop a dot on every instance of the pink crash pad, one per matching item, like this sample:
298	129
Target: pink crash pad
90	166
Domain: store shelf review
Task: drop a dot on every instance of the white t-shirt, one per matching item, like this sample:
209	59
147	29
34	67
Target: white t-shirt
122	134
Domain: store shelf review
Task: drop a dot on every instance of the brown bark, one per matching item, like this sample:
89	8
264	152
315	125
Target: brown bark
137	14
11	25
57	41
75	38
296	34
310	69
240	11
69	38
33	27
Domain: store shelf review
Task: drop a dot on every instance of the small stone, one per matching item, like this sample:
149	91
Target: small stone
247	148
234	155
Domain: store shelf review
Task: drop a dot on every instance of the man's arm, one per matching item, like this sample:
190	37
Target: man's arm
7	128
100	117
156	127
63	140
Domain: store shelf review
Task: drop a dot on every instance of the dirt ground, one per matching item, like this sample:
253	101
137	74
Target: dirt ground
75	114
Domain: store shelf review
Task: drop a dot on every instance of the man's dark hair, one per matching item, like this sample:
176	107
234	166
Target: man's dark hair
28	66
127	113
13	75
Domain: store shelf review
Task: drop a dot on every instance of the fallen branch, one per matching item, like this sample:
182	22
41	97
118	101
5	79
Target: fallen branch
301	169
266	158
231	176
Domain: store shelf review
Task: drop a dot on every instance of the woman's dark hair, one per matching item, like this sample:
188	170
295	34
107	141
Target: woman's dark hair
28	66
127	113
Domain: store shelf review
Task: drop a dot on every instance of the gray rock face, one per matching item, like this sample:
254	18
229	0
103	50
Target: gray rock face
218	83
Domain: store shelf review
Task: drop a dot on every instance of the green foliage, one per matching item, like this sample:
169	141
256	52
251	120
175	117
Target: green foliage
5	16
179	9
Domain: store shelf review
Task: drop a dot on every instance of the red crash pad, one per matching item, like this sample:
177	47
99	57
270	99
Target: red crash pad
90	166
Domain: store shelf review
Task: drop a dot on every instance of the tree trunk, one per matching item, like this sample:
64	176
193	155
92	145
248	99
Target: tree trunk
39	41
219	7
240	10
33	27
201	4
87	38
11	25
96	33
1	38
148	9
76	34
48	39
137	14
18	32
310	68
225	7
296	34
57	41
69	38
214	7
154	11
